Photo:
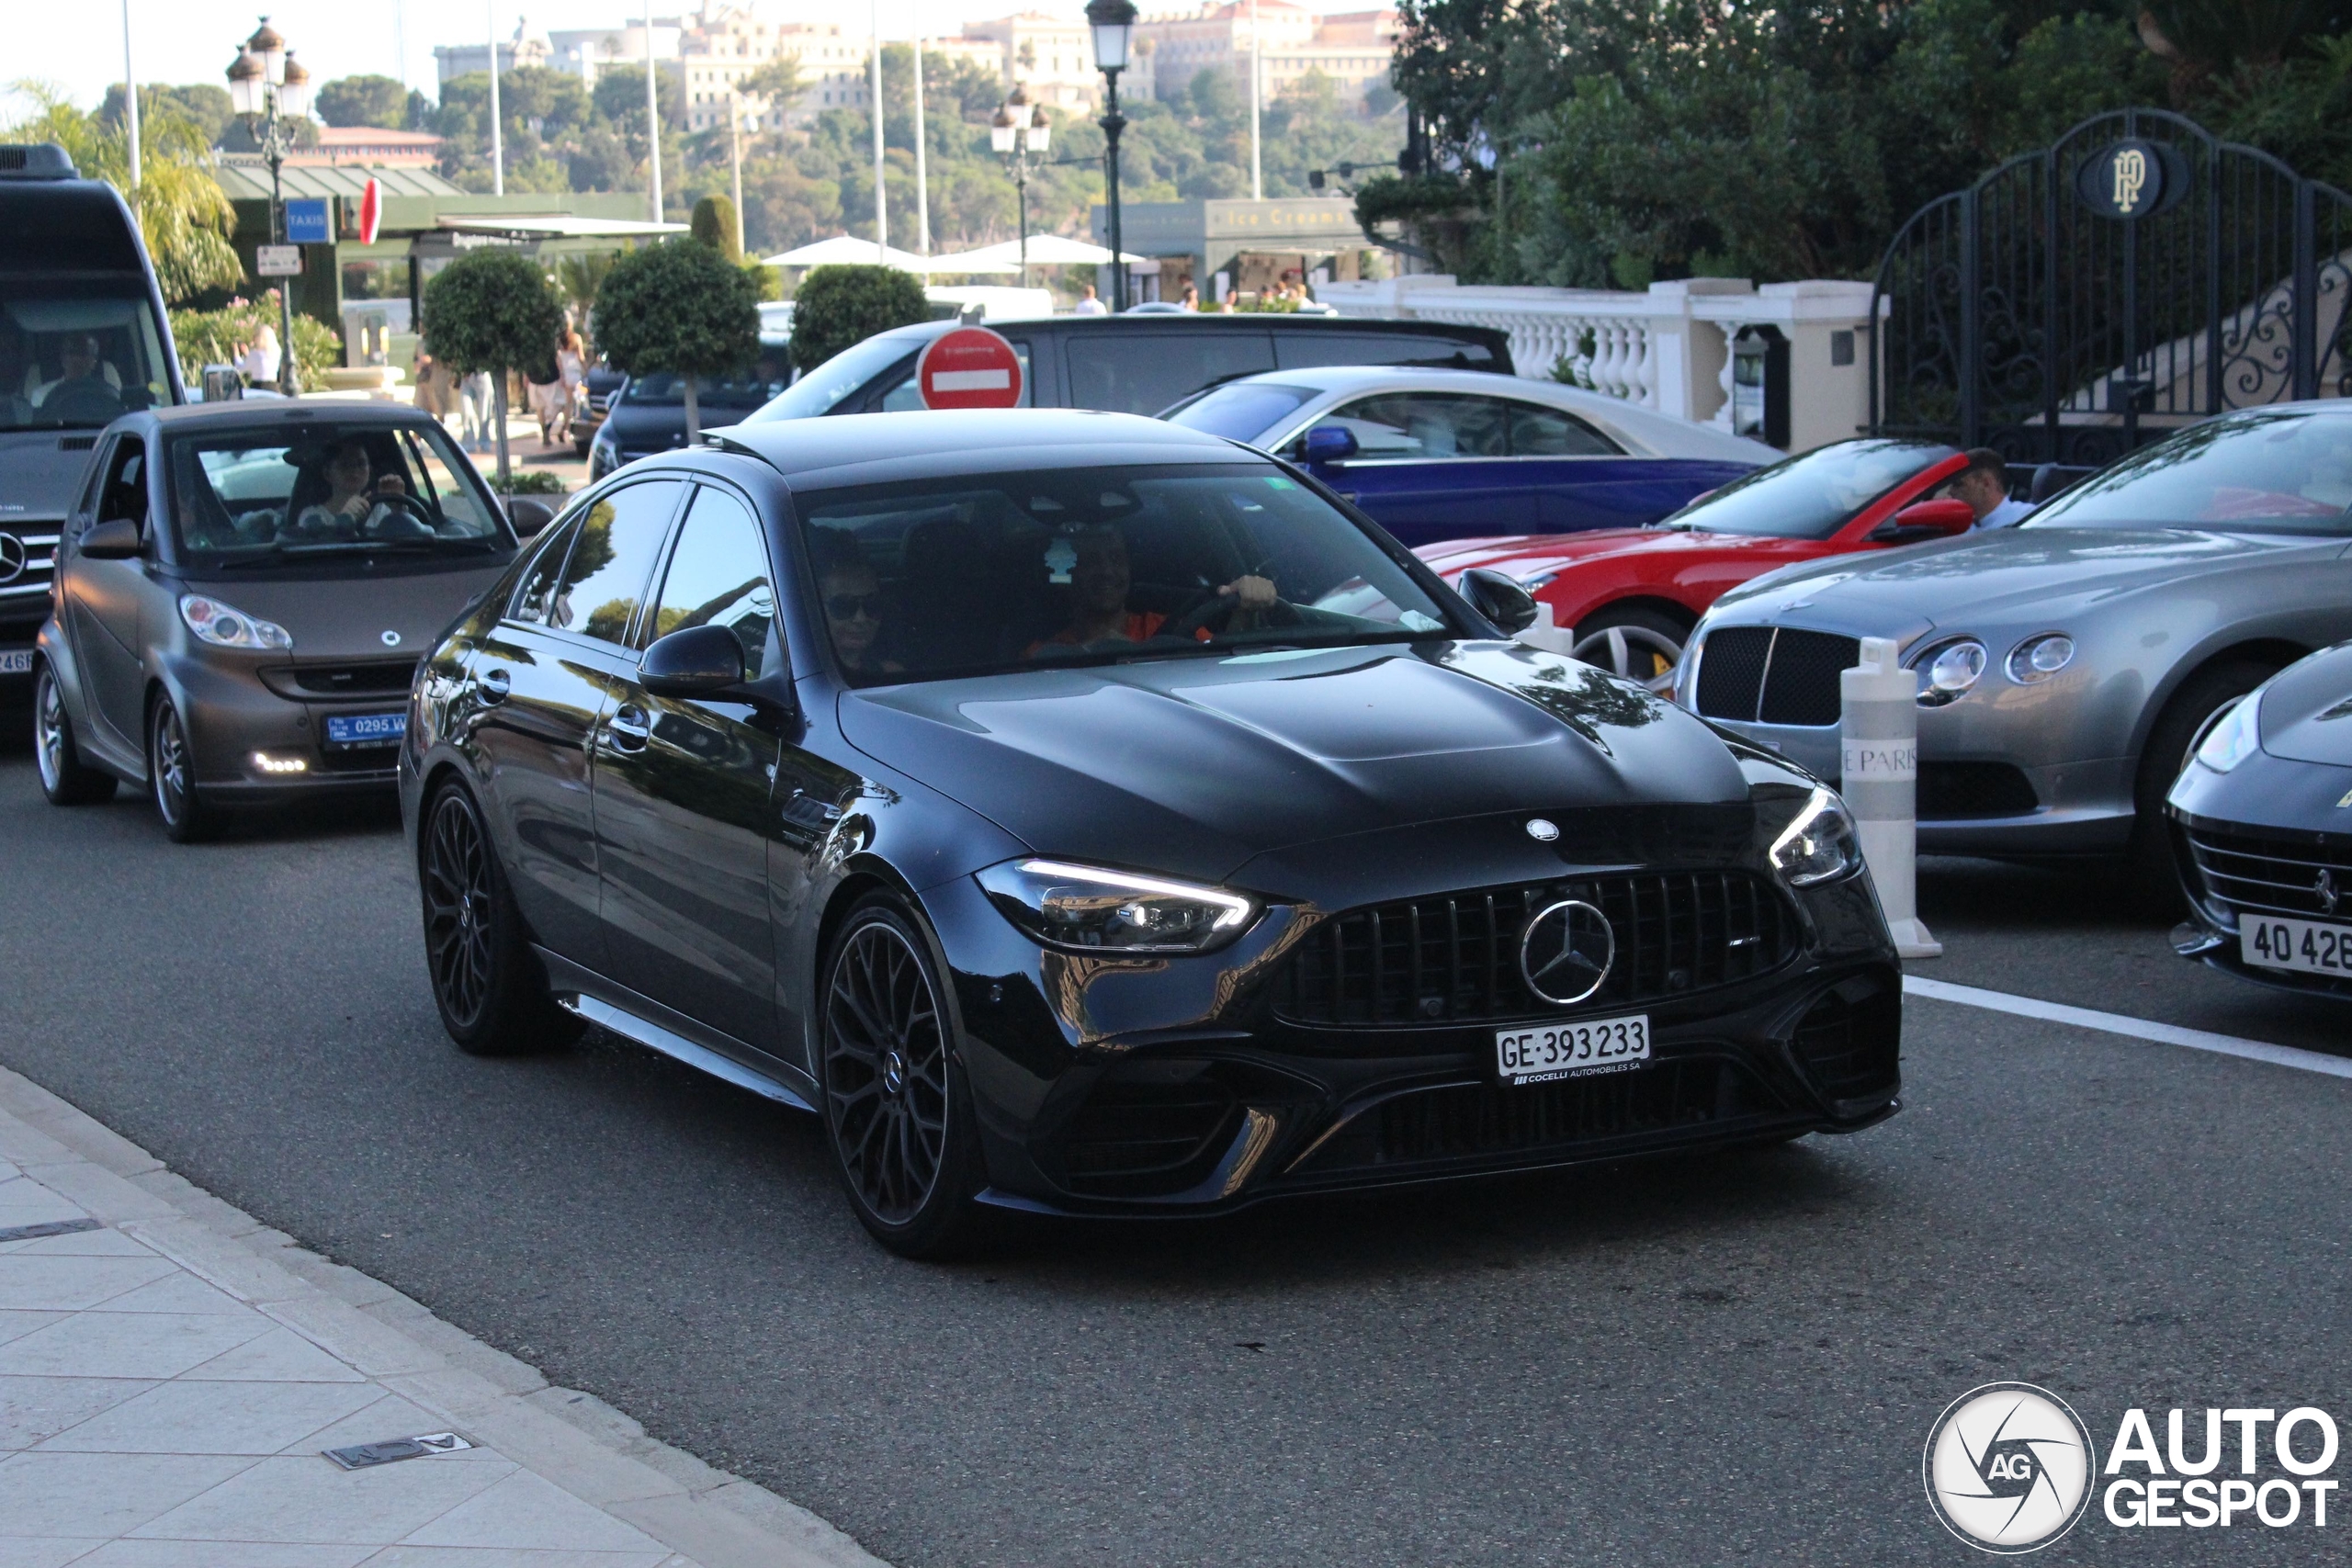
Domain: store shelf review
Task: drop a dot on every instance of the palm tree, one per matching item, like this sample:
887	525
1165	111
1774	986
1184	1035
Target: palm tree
182	213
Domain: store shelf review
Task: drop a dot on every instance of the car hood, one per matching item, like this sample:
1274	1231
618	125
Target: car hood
1525	554
2047	574
1192	766
2307	711
340	619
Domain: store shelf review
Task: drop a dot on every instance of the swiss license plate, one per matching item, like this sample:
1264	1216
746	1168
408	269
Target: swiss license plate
2307	947
1572	1050
16	661
365	729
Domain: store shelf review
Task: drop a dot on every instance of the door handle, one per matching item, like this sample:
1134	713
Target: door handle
629	726
495	685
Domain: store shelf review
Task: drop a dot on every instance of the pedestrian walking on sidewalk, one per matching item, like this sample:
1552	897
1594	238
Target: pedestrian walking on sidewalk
481	408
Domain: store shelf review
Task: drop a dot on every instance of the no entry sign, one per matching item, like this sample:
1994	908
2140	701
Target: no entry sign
970	367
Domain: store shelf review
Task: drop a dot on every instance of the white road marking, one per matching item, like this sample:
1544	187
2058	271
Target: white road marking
2137	1028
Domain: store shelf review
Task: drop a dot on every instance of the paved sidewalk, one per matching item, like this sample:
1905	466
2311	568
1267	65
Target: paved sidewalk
170	1373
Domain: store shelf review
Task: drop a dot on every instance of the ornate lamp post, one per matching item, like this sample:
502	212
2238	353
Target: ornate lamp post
267	89
1020	133
1114	22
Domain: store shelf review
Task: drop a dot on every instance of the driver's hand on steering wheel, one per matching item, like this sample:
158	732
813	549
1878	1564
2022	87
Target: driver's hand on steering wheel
1250	593
391	484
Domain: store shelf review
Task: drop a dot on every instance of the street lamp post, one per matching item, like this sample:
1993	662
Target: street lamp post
1114	22
269	91
1019	134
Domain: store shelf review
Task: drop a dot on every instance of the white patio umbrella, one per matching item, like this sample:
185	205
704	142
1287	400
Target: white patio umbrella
1052	249
843	250
980	264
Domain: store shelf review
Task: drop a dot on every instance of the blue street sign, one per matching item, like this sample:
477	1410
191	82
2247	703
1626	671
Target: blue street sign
306	222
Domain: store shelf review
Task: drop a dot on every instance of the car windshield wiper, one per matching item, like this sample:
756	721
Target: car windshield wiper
281	554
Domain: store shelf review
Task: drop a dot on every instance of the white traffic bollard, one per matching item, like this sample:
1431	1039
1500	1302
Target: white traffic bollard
1878	734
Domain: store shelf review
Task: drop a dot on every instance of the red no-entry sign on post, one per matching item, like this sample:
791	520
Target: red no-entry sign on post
969	367
371	211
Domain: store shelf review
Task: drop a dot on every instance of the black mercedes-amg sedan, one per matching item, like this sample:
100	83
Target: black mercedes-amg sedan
1083	813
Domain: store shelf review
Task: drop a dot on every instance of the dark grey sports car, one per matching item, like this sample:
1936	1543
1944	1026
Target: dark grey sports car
1082	813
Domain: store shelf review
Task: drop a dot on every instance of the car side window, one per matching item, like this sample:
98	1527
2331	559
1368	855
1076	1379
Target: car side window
123	496
719	577
535	587
1540	432
1426	424
100	462
604	582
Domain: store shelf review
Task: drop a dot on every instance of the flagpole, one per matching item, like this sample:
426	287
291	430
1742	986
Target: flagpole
923	181
881	210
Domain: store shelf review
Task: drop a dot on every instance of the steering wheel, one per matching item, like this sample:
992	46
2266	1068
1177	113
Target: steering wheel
405	518
82	404
1220	610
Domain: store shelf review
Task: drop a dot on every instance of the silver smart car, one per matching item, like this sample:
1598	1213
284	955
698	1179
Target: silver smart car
2067	665
242	592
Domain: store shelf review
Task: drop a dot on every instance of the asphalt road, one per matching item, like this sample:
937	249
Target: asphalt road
1714	1360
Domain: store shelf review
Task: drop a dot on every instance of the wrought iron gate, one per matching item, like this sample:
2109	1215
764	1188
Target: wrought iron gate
2018	315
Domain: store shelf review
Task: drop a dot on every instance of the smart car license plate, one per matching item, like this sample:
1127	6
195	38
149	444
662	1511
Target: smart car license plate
16	661
365	729
1573	1049
2307	947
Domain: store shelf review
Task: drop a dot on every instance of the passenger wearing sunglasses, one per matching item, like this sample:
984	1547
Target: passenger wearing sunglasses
853	596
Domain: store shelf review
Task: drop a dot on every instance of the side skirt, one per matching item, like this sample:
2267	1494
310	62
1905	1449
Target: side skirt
616	1007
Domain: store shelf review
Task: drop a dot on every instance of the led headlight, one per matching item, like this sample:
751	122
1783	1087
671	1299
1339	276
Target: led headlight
2237	736
1094	910
223	626
2040	658
1817	842
1948	670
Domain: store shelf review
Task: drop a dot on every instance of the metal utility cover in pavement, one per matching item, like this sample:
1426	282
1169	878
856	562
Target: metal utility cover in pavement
360	1456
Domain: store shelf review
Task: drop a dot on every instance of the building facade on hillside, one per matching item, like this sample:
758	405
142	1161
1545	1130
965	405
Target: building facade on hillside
369	146
1052	56
527	47
586	53
725	45
1353	50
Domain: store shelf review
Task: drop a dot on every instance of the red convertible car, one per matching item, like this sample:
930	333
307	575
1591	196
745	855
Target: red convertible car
1633	594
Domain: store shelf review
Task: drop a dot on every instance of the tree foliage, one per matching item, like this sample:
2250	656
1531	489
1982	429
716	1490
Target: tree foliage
713	223
679	306
376	101
839	305
493	310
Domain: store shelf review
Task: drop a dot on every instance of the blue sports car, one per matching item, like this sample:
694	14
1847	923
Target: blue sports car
1436	454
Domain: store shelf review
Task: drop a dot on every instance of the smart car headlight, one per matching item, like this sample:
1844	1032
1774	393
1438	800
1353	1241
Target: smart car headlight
2040	658
1091	909
2237	736
224	626
1816	844
1948	670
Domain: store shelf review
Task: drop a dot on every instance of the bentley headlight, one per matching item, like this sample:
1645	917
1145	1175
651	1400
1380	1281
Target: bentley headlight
222	627
1947	673
2237	736
1095	909
2040	658
1818	844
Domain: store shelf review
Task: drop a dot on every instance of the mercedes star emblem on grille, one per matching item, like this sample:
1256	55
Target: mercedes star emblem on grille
1565	951
1540	830
12	558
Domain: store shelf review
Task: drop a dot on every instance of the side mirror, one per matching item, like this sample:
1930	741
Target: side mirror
528	515
118	538
700	661
1498	599
1926	520
1329	444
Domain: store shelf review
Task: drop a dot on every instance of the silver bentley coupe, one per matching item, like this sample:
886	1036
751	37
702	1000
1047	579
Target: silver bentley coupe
2067	665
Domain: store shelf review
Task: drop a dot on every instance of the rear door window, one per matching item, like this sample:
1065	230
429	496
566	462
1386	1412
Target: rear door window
1540	432
604	582
1121	372
1302	348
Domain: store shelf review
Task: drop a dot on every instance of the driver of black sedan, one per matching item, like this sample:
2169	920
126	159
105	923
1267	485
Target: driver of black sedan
1100	580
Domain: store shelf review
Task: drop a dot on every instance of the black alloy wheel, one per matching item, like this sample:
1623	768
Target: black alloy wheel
489	987
895	1107
2201	700
170	776
65	779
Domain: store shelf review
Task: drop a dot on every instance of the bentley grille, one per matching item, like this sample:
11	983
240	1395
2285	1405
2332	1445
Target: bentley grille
1774	674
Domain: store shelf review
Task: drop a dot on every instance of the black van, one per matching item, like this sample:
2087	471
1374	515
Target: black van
83	338
1136	364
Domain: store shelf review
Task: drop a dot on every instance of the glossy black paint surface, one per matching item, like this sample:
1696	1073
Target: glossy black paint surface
691	875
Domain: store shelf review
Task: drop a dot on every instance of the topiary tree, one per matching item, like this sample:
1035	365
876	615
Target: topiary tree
714	224
494	311
678	306
841	306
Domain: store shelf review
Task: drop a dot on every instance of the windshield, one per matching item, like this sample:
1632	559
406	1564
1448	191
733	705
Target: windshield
1812	496
75	356
1010	572
2265	473
1240	411
818	390
663	389
249	501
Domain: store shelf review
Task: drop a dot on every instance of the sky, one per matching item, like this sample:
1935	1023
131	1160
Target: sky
79	47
